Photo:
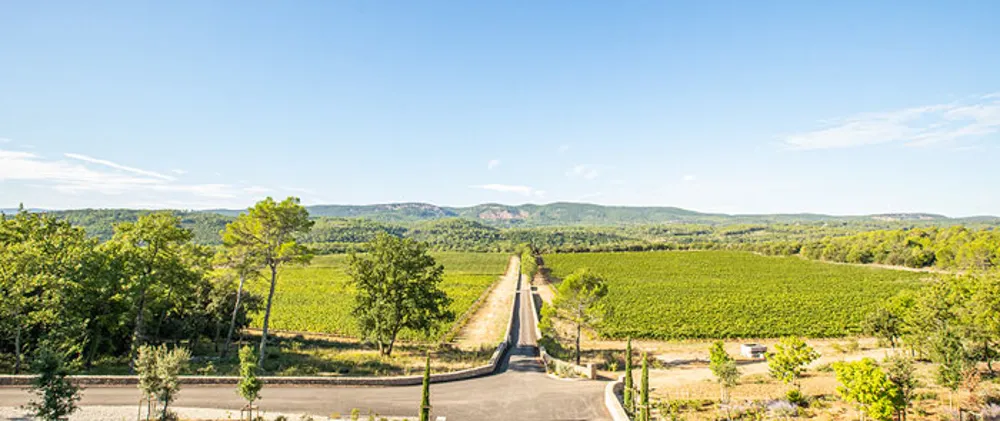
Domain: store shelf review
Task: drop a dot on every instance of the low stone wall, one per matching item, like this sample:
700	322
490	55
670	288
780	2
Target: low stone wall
25	380
553	363
613	401
559	366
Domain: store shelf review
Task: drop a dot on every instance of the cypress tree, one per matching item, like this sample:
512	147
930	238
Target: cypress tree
644	392
425	401
627	394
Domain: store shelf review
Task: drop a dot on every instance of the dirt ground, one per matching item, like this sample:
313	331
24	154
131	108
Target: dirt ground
682	374
488	324
543	287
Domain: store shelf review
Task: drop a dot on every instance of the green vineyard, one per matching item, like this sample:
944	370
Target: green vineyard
319	297
724	294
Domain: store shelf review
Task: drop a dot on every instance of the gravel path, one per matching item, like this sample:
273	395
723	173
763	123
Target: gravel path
487	325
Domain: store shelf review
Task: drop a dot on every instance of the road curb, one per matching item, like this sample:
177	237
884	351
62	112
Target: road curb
612	402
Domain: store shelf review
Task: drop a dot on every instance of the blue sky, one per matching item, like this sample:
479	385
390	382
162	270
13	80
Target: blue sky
741	107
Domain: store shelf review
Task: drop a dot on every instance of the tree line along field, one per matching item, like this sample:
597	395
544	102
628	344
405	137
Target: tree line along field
319	297
729	294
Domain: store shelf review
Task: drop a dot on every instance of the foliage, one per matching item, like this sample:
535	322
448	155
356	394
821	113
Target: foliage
644	390
45	264
789	358
900	371
955	247
723	367
158	370
884	324
628	394
267	232
578	300
158	264
571	227
425	393
57	397
249	385
529	260
865	384
724	294
397	284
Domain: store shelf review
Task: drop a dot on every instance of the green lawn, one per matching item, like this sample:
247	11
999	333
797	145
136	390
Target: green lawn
319	297
724	294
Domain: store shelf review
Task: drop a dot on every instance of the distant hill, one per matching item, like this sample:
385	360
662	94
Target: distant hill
341	224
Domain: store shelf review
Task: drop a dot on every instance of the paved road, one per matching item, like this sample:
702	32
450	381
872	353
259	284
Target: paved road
522	391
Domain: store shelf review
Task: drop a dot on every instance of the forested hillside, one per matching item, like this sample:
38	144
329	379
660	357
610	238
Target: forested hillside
914	240
568	214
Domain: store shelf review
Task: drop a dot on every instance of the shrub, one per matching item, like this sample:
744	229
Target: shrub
57	396
782	409
158	369
796	397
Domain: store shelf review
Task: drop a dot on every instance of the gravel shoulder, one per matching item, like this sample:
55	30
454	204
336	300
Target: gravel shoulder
487	326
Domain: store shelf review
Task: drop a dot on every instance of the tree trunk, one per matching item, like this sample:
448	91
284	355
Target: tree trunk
17	350
986	352
95	342
392	343
163	316
267	317
236	309
137	331
578	329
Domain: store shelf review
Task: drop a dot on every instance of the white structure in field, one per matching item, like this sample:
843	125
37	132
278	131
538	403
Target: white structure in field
755	351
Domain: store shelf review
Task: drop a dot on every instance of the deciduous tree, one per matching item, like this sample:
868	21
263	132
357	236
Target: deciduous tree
865	384
156	258
790	357
723	366
398	287
900	372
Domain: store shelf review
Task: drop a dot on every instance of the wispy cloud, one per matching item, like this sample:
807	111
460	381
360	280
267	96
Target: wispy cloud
300	190
75	178
586	172
508	188
916	126
178	171
689	177
4	140
493	164
256	190
563	148
117	166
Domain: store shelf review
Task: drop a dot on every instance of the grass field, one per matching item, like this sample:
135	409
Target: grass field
319	297
724	294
